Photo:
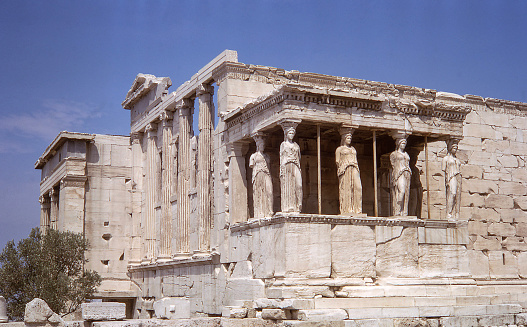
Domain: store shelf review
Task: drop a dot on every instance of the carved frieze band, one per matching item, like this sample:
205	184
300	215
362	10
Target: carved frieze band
304	98
73	181
430	108
280	218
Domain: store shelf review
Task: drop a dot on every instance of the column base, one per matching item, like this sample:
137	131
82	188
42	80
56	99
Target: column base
163	258
200	253
181	256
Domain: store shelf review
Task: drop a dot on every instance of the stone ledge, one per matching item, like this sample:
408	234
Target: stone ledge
196	259
407	221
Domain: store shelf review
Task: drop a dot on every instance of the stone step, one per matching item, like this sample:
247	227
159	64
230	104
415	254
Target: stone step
433	311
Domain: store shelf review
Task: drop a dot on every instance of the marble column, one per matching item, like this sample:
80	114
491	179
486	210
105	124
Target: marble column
149	241
137	188
205	196
166	218
54	208
185	109
44	214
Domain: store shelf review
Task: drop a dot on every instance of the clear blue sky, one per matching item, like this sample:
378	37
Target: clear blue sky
67	65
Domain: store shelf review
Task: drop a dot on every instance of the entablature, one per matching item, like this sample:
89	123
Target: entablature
439	117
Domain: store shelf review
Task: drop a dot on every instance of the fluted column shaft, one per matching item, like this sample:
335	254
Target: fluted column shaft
205	196
166	221
44	214
54	209
184	110
137	187
150	188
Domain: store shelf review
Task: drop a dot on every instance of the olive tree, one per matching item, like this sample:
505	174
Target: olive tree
48	266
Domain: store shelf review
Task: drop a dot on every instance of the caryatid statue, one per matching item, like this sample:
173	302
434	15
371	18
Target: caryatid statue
350	187
290	173
401	173
262	182
451	166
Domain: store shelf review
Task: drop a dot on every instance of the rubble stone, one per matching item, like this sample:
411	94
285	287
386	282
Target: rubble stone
38	312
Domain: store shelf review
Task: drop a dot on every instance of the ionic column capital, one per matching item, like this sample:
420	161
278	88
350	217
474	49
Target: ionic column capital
53	195
135	137
151	130
165	117
185	107
204	89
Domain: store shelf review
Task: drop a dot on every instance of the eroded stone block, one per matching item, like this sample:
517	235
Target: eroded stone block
172	308
352	251
443	261
243	289
103	311
313	241
398	257
322	315
478	264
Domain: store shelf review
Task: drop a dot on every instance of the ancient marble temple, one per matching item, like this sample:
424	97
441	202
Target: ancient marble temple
313	197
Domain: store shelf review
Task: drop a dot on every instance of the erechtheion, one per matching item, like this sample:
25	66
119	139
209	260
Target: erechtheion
301	196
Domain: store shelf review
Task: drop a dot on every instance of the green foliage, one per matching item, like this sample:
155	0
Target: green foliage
50	267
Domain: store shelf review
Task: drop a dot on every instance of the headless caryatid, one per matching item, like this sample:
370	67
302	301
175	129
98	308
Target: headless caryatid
401	173
451	166
261	179
290	173
350	187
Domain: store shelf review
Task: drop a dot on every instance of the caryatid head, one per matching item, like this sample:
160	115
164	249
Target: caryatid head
289	127
452	145
346	135
259	138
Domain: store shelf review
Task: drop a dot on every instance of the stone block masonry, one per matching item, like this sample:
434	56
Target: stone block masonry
422	222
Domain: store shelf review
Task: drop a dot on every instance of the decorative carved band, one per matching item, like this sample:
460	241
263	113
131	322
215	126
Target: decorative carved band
432	109
280	218
73	181
252	110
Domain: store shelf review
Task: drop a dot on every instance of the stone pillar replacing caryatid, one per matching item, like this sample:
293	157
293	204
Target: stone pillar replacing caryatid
238	182
166	218
137	187
185	109
149	232
44	213
205	196
54	208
